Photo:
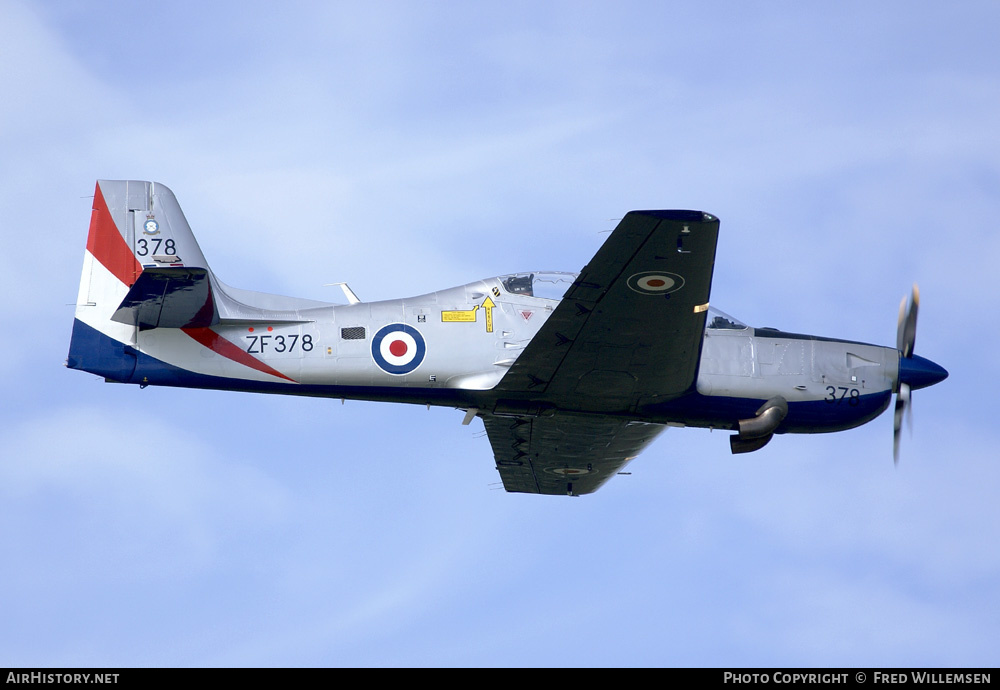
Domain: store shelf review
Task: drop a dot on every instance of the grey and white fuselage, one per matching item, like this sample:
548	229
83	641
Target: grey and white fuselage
572	374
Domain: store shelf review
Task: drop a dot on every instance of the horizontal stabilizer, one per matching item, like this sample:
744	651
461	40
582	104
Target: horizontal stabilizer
169	297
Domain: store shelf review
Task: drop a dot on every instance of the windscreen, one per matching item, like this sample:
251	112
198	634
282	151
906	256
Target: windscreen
542	284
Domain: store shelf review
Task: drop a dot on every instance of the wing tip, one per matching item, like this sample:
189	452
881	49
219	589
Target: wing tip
686	216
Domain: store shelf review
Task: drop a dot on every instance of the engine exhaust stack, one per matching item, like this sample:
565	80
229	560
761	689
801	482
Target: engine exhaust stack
757	431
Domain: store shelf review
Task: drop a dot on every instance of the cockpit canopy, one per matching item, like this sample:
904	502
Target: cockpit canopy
554	284
720	320
543	284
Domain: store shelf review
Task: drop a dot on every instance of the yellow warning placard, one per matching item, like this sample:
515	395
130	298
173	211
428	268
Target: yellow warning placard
459	315
469	315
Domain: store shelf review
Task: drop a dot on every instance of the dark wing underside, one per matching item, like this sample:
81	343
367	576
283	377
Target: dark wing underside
565	453
627	334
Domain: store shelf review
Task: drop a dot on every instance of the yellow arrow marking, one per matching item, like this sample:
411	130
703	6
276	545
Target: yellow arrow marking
488	306
459	315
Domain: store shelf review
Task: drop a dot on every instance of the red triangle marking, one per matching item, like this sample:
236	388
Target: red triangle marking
216	343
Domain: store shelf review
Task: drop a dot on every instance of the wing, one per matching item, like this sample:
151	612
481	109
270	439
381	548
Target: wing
564	453
629	331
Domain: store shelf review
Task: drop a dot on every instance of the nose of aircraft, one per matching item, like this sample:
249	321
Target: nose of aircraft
920	372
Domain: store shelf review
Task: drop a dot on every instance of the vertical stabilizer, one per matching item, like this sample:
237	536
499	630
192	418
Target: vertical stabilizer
143	271
134	226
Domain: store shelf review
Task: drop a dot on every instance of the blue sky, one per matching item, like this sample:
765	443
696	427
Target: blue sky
404	147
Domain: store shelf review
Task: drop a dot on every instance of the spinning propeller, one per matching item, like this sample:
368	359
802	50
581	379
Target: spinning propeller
914	371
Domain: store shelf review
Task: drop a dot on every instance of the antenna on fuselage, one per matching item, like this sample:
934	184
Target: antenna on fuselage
348	292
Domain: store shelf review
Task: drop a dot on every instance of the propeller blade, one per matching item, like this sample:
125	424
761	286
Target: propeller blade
914	371
906	328
909	413
902	408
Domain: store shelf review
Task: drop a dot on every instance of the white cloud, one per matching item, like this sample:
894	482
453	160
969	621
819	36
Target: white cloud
125	490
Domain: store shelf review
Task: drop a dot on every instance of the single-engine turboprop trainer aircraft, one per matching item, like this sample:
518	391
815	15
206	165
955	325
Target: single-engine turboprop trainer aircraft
572	374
